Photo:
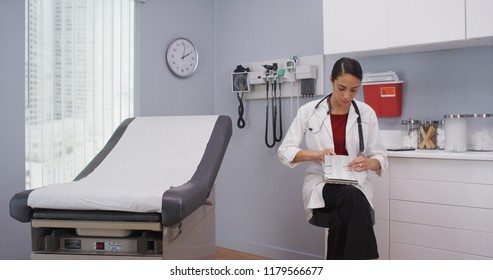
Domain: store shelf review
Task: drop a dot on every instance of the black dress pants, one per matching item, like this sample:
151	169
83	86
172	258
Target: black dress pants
347	214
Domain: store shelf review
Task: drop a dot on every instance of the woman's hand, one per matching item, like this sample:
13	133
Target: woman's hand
362	164
310	155
326	152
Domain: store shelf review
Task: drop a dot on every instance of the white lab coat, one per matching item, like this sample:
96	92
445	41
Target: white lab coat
307	117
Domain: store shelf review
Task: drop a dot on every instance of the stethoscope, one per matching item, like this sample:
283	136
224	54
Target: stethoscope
275	104
356	109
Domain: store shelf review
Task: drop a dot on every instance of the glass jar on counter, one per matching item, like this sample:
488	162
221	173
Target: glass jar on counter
441	135
409	133
480	132
428	135
456	133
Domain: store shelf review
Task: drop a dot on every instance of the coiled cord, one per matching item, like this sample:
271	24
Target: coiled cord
241	111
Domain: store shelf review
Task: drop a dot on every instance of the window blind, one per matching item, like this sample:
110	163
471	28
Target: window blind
79	83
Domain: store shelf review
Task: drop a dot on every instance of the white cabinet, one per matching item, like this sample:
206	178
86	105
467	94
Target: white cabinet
354	25
440	209
381	205
479	18
375	27
421	22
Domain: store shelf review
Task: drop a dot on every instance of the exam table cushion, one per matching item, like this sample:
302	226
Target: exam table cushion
153	155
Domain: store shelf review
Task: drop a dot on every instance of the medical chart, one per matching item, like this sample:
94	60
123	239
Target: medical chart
336	170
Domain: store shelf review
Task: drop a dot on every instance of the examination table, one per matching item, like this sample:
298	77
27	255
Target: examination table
148	194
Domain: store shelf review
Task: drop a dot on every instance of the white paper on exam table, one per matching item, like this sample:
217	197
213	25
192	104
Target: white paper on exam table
336	170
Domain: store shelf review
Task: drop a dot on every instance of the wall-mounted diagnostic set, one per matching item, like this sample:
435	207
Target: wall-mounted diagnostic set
300	76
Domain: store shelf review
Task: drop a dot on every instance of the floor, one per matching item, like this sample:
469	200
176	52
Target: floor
228	254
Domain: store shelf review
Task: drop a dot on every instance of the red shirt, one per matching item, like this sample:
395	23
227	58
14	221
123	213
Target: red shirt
339	133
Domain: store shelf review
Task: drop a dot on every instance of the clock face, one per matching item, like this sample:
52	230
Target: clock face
182	57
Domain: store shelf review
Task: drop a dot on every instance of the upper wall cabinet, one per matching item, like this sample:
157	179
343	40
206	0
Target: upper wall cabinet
354	25
479	15
397	26
417	22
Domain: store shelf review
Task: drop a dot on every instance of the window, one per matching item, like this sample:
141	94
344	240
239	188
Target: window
79	83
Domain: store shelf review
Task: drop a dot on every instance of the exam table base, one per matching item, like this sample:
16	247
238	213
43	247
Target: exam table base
193	238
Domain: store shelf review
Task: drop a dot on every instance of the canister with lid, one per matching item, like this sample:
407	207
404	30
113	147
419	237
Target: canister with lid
427	135
456	133
480	132
441	134
409	133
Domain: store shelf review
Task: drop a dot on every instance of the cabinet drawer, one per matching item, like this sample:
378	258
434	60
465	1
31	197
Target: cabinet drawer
460	194
474	219
470	171
400	251
461	241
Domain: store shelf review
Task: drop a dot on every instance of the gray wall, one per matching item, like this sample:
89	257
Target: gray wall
14	236
440	82
159	92
259	206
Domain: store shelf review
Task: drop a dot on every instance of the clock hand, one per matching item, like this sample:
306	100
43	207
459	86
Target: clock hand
186	55
183	52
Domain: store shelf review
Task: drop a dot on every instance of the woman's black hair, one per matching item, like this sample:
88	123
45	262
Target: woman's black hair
346	65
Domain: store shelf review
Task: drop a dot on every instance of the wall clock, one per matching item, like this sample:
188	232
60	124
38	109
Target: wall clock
182	57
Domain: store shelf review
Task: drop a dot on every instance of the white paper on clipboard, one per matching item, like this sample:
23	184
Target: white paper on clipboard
336	170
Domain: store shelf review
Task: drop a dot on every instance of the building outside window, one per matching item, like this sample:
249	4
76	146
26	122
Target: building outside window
79	83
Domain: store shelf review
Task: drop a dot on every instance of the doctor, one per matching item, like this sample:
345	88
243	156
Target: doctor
331	126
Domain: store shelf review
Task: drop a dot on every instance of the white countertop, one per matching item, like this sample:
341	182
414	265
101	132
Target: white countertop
392	139
440	154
